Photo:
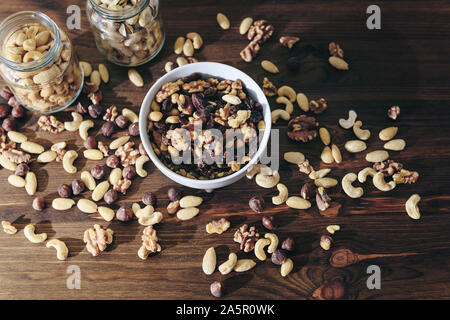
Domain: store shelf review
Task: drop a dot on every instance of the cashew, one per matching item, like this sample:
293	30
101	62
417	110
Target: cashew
294	157
150	220
325	182
280	113
282	196
197	40
286	267
84	127
259	248
319	174
362	175
380	184
355	146
324	135
327	155
273	242
252	171
33	237
267	181
209	261
227	266
75	124
395	145
303	102
146	211
377	156
30	183
332	228
286	91
288	106
61	249
350	190
388	133
412	207
139	166
68	159
243	265
348	123
360	133
298	203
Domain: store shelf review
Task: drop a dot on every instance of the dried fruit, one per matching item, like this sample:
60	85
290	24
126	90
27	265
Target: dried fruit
288	244
268	222
307	190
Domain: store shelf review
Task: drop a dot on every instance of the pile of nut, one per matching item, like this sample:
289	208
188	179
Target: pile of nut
190	102
129	42
50	87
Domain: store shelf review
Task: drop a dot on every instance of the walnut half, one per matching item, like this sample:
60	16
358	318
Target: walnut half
218	226
246	237
97	239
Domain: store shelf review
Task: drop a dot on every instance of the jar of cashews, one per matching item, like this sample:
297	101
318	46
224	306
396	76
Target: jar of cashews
128	32
38	62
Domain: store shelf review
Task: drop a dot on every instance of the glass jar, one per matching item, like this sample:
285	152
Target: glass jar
128	32
38	62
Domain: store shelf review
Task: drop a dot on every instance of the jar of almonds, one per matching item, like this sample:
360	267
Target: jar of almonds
38	62
128	32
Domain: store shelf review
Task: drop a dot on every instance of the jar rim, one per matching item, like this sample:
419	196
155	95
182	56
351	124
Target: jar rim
120	14
13	21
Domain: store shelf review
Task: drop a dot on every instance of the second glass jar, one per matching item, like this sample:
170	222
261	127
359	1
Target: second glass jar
128	32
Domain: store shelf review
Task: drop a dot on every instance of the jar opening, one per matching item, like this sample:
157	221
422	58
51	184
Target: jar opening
15	21
123	14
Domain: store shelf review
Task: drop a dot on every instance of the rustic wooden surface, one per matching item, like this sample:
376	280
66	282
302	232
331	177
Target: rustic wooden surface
404	63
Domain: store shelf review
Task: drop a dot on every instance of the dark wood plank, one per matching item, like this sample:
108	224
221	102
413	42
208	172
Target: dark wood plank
405	63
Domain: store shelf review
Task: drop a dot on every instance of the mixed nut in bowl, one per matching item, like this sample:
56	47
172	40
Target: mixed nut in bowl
38	62
204	124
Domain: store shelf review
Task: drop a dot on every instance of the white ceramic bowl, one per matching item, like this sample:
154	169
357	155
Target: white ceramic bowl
209	69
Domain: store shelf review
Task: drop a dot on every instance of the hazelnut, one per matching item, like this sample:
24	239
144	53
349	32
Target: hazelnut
95	110
9	124
133	129
256	204
98	172
80	108
111	196
78	186
129	172
325	242
6	93
278	257
18	112
149	198
4	110
174	194
38	204
216	289
269	222
64	191
112	161
121	121
90	143
142	149
288	244
108	129
22	169
307	191
124	214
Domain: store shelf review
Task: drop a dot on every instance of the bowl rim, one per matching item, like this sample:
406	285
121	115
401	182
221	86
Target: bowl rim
178	178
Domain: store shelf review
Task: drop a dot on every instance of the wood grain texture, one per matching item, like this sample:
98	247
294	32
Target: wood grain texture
404	63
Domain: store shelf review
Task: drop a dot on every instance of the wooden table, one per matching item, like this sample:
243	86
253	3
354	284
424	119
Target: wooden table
405	63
